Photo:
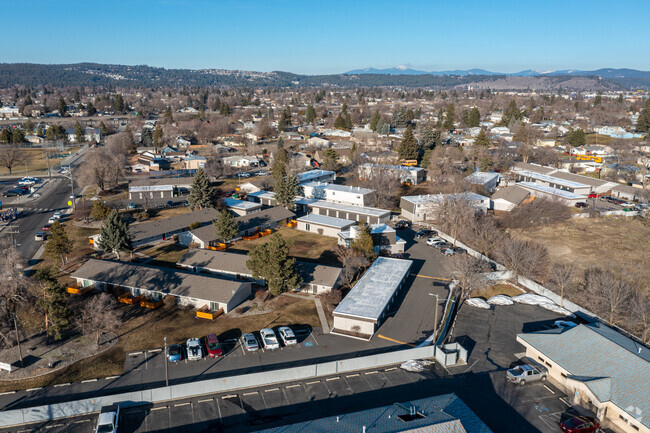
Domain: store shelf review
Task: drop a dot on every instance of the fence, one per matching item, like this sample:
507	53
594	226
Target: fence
608	213
450	354
209	386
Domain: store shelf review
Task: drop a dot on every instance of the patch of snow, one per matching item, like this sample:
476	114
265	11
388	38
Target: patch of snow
532	299
478	302
500	300
415	366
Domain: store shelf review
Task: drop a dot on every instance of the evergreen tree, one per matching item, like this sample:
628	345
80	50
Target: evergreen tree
598	99
168	117
18	136
286	191
280	161
200	191
620	98
118	103
363	243
99	211
374	120
62	106
430	138
339	122
440	118
158	136
114	235
474	118
79	133
482	139
102	128
28	127
285	120
225	109
450	118
331	160
271	261
59	245
576	137
408	148
5	136
511	113
310	116
643	122
226	226
53	302
90	109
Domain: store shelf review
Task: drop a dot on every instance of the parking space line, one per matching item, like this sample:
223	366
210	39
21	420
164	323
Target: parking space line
242	349
313	382
205	400
332	378
316	341
353	375
135	353
82	421
7	393
371	372
292	386
89	380
391	369
61	384
158	408
564	401
154	350
112	377
181	404
229	396
552	392
272	389
251	393
34	389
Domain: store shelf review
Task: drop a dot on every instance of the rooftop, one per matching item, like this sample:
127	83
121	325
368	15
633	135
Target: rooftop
519	166
246	222
554	191
513	194
167	181
341	188
394	167
308	176
430	198
591	181
324	220
313	202
179	222
552	179
611	365
368	298
240	204
481	177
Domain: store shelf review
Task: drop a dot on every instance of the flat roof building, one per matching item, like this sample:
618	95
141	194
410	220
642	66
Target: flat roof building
540	190
553	182
423	207
241	207
345	194
363	309
405	174
323	225
316	176
370	215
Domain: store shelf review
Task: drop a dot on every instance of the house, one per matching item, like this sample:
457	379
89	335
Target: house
206	235
370	215
194	162
618	132
384	238
500	130
600	369
189	289
406	175
596	185
417	208
553	182
365	307
352	195
318	142
165	187
316	278
509	197
488	181
323	225
626	192
535	168
241	207
256	185
545	142
9	111
241	161
316	176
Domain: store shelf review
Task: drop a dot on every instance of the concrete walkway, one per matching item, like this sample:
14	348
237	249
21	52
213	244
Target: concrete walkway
319	309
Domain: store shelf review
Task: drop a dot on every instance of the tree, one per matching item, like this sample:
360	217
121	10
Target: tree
610	294
310	115
374	120
352	262
280	161
114	235
90	109
99	211
469	272
271	261
53	302
168	117
524	258
641	314
285	120
598	99
286	191
430	138
118	103
450	118
408	148
511	113
363	242
200	191
331	160
102	128
98	316
18	136
62	107
14	291
453	213
59	244
158	136
561	279
11	156
5	136
482	139
226	226
643	122
79	133
576	137
474	118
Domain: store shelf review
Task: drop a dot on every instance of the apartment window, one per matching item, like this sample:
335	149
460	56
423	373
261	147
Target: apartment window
563	375
635	427
548	364
540	358
307	227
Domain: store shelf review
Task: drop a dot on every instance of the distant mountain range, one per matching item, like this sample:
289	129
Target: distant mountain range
604	73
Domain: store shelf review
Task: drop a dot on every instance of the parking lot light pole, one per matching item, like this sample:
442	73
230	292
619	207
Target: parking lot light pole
165	361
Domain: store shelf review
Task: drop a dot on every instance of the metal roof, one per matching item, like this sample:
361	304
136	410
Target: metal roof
554	191
432	198
325	220
611	365
552	179
241	204
338	188
481	177
323	204
307	176
369	297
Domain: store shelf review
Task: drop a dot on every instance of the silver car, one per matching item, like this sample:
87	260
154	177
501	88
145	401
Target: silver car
526	373
287	335
269	339
250	342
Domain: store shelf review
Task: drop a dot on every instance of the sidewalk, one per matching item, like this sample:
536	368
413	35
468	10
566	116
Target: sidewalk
319	309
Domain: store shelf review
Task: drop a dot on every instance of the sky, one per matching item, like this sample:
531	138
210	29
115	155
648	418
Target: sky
331	36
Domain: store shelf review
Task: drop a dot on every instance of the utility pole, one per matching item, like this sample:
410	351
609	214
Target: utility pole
20	350
165	361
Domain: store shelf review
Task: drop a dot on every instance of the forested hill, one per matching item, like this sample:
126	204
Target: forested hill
92	74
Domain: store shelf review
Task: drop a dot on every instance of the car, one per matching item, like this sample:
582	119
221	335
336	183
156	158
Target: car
250	342
526	373
442	245
108	419
94	198
580	424
131	205
402	224
433	240
40	236
262	173
287	335
269	339
174	353
213	345
581	204
10	193
593	195
194	349
170	203
37	195
46	227
628	204
57	215
243	174
52	220
453	251
425	234
397	256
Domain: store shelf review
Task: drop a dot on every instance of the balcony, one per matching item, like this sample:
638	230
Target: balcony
129	299
150	303
205	313
76	289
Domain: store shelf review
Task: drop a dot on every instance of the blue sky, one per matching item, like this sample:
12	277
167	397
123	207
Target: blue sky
330	36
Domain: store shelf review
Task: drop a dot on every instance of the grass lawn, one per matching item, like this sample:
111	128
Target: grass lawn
165	255
145	329
306	245
36	161
497	289
159	214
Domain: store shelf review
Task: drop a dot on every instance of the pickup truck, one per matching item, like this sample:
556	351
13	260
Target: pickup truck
108	419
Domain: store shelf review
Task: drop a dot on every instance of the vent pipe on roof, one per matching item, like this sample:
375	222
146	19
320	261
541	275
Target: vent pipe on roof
364	429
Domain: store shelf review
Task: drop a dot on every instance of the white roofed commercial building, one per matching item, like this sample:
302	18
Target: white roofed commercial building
364	308
316	176
352	195
540	190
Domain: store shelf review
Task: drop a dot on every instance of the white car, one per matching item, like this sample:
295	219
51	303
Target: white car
57	215
194	349
433	241
269	339
52	220
287	335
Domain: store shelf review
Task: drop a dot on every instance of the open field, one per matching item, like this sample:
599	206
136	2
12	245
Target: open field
36	161
618	244
144	329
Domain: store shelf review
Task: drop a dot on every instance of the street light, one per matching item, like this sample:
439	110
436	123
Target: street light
72	196
165	361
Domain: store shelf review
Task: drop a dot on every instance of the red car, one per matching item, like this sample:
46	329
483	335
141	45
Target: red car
580	424
593	195
213	345
46	227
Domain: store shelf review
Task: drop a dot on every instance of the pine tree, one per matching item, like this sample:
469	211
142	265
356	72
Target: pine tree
158	136
482	139
598	99
59	244
374	120
102	128
331	160
226	226
62	106
53	302
200	191
168	117
440	118
363	243
310	116
339	122
90	109
285	120
643	122
118	103
18	136
271	261
79	133
286	190
474	118
430	138
450	118
5	136
511	112
576	137
114	235
408	148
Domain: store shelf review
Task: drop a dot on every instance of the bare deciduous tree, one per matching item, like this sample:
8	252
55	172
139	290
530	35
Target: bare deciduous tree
98	316
539	212
562	278
11	156
469	272
483	234
452	213
386	184
14	287
640	317
352	263
524	258
611	295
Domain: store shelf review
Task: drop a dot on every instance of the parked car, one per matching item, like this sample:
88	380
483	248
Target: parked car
593	195
581	204
40	236
250	342
52	220
526	373
10	193
397	256
453	251
131	205
243	174
262	173
46	227
175	353
425	234
287	335
580	424
194	349
433	240
269	339
108	419
57	215
442	245
402	224
213	345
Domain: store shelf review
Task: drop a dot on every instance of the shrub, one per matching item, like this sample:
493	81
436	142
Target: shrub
262	296
100	211
239	310
195	225
141	216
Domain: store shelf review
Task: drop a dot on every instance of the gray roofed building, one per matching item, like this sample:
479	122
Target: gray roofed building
535	168
155	231
181	182
509	197
598	366
241	207
540	190
191	289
